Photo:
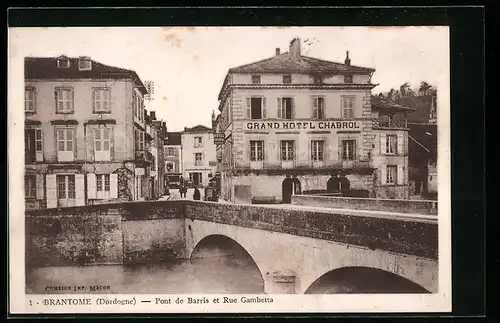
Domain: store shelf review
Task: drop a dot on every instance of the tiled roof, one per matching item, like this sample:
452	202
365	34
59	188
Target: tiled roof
46	68
173	139
380	104
198	128
285	63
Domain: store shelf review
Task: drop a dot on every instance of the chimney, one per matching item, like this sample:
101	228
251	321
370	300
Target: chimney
347	59
153	115
295	48
277	51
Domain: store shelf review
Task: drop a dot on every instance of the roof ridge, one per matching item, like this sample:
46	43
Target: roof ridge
260	61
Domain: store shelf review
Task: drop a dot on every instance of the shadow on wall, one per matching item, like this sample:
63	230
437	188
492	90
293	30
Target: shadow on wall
363	280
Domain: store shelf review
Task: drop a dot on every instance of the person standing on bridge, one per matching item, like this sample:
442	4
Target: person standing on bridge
196	194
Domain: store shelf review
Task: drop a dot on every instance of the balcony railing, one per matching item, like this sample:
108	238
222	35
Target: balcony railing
144	155
332	165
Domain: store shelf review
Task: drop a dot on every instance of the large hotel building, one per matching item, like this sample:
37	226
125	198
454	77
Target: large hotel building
293	124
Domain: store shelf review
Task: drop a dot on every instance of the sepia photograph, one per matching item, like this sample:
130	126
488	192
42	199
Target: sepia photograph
168	166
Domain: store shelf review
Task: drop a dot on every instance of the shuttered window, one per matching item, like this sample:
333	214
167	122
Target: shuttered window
64	100
101	100
29	100
65	186
318	109
391	144
391	174
256	150
317	150
348	106
30	186
287	150
348	149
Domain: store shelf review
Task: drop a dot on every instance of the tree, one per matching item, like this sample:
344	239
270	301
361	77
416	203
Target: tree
390	95
424	88
403	89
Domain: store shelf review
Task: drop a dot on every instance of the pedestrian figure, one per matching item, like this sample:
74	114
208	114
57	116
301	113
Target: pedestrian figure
196	194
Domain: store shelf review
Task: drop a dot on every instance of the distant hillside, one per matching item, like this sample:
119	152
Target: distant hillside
420	99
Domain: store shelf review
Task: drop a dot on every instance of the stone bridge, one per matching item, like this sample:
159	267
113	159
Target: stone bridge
294	248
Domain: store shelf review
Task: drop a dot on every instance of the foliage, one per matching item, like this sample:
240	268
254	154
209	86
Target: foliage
419	99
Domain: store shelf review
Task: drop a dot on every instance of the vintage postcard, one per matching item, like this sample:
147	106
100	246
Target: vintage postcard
229	169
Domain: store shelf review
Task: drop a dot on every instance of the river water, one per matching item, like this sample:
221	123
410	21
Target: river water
213	270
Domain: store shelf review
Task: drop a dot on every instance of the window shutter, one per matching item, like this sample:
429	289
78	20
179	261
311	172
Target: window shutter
383	144
315	113
249	151
323	110
39	187
264	108
383	175
112	143
295	152
311	149
56	100
400	145
342	108
400	178
93	99
113	186
39	153
91	186
340	149
326	151
90	143
72	102
79	189
279	108
248	108
51	190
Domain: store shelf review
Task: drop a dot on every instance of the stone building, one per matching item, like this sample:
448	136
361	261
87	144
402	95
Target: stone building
172	150
198	155
295	124
84	133
155	132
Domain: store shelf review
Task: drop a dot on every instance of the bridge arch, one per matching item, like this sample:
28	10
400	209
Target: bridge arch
363	280
226	246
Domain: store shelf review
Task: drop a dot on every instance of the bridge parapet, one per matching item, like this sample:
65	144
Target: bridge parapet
400	235
390	205
119	232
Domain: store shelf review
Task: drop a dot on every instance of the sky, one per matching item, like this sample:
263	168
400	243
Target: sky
188	64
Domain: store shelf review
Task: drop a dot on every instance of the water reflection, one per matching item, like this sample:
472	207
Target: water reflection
221	269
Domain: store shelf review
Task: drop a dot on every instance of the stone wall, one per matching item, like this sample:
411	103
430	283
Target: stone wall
352	203
76	235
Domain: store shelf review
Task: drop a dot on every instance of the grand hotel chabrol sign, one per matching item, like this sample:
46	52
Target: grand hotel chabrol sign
303	125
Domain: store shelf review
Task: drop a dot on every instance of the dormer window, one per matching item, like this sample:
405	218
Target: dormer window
317	79
255	79
84	63
63	62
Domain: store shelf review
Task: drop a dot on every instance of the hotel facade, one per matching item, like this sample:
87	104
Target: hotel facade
85	133
293	124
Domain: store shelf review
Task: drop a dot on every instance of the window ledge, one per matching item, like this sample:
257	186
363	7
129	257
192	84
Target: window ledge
64	122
